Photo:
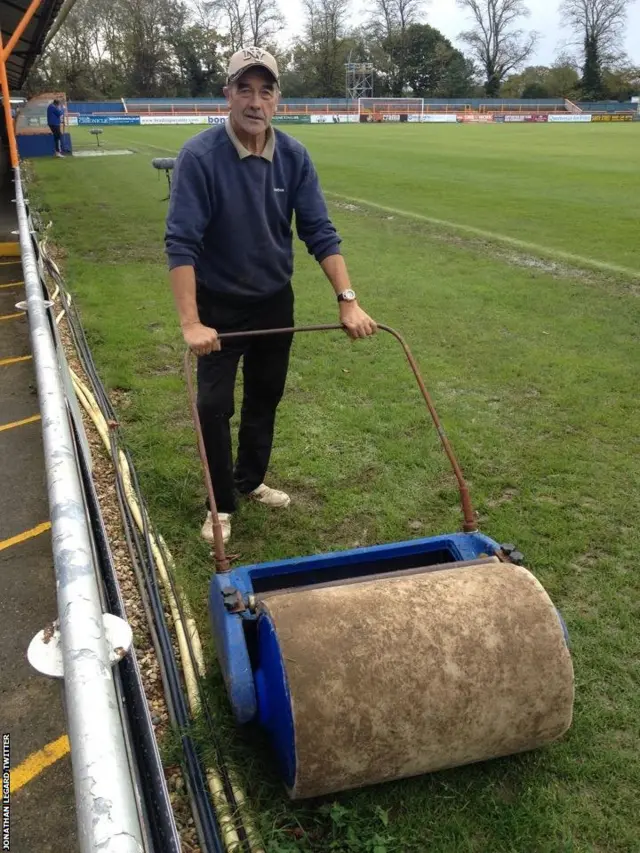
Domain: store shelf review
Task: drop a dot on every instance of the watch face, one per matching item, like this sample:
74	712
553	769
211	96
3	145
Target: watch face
349	295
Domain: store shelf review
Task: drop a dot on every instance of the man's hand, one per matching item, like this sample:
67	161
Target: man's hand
357	323
200	339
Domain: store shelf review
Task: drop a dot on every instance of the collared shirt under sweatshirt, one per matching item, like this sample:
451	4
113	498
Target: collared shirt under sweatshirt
231	211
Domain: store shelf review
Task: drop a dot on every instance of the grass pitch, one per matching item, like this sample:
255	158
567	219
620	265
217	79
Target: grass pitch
508	257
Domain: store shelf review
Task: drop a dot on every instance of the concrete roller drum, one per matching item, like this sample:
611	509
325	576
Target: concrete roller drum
395	677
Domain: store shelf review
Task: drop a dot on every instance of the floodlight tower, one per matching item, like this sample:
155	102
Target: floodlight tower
359	80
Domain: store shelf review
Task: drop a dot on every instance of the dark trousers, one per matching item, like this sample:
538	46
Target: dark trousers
265	365
57	137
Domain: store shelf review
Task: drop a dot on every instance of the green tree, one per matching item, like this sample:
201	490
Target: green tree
150	66
538	81
495	40
116	48
622	83
598	27
434	68
563	80
535	91
79	62
265	22
534	77
320	54
591	83
235	21
197	55
388	36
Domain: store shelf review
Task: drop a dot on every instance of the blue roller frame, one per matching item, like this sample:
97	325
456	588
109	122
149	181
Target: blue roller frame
229	629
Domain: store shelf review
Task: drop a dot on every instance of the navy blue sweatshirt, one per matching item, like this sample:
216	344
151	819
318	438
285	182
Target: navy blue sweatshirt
54	115
230	217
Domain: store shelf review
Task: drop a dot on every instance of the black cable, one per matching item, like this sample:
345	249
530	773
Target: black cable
205	705
206	825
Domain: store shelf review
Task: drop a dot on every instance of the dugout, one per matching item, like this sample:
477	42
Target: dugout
26	28
32	131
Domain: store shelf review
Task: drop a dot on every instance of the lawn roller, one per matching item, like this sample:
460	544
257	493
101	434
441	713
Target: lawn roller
380	663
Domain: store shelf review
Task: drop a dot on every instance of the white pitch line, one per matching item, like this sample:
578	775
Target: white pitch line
492	235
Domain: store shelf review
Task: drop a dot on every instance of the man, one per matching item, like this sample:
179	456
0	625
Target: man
55	119
229	245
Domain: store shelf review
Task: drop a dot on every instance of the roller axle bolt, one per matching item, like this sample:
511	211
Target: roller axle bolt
233	600
512	553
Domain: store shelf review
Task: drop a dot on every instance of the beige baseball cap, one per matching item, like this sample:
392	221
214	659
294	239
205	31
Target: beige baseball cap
251	57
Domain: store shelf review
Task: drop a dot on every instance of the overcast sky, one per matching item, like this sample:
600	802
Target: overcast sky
449	19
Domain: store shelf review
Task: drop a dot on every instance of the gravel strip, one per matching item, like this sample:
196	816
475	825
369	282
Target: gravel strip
104	479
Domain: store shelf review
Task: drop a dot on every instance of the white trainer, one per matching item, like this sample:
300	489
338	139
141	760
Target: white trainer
225	523
270	497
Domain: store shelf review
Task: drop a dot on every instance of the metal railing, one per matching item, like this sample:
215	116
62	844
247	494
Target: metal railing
106	808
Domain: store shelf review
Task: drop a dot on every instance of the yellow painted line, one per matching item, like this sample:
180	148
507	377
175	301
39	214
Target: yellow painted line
4	361
37	762
28	534
11	316
23	422
11	284
9	250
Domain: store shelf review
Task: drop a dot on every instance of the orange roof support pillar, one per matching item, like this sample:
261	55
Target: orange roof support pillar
6	103
5	53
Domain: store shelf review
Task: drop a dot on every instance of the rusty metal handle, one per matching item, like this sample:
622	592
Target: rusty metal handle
222	563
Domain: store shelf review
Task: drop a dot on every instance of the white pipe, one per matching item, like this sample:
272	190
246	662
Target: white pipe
59	21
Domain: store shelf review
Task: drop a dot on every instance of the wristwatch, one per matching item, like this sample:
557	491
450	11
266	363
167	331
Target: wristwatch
347	296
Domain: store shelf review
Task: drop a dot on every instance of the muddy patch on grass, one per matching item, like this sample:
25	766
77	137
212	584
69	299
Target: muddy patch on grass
165	370
359	531
353	208
586	562
543	264
305	495
509	494
120	398
366	477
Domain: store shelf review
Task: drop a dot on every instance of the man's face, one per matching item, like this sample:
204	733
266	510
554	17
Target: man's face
253	100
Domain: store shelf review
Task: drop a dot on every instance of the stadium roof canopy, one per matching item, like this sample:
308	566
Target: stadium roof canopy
32	40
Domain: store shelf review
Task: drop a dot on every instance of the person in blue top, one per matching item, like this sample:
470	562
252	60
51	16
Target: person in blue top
55	120
229	245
